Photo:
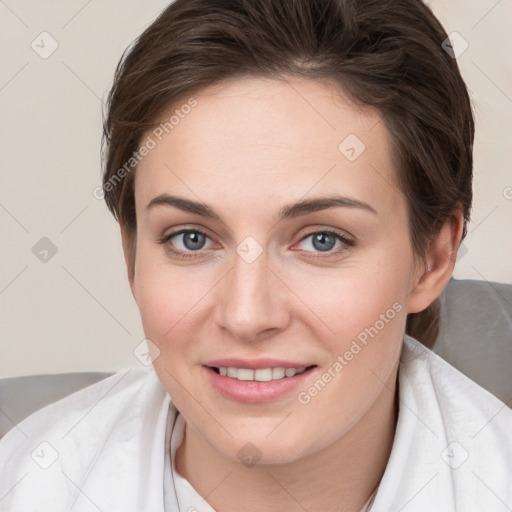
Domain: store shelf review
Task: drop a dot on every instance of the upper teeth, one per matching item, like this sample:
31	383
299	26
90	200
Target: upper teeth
263	374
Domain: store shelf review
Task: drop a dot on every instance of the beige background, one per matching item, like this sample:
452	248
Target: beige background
75	311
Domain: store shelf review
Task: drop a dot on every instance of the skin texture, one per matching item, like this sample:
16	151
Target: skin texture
249	147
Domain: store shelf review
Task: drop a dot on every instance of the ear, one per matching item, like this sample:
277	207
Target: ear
440	260
129	241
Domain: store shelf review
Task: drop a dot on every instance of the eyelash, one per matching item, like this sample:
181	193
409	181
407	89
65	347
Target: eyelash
347	243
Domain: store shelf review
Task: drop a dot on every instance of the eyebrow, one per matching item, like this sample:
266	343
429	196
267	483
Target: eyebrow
289	211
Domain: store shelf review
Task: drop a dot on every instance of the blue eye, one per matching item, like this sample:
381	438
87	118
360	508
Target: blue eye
193	241
325	241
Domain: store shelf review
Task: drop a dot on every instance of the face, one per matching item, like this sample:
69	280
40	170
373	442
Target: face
253	283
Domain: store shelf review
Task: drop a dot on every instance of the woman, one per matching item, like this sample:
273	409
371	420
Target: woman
292	181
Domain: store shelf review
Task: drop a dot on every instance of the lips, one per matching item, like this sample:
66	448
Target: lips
256	381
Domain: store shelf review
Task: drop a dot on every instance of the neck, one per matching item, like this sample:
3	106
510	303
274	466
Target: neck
339	478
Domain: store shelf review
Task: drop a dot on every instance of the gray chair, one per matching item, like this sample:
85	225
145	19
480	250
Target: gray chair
475	333
475	337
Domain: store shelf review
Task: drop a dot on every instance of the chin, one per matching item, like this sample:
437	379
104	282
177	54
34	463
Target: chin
253	447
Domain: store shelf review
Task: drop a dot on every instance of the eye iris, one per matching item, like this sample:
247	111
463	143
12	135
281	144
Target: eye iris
197	240
320	237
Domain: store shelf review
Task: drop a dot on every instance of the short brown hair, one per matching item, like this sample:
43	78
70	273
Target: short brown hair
384	53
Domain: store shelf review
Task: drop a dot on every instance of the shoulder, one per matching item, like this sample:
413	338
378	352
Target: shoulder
59	445
468	428
106	396
459	396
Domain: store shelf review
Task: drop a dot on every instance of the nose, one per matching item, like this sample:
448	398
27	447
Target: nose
253	302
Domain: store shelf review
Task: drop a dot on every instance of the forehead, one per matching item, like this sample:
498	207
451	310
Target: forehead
252	138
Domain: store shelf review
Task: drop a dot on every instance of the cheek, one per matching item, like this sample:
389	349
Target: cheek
342	303
164	302
170	298
360	319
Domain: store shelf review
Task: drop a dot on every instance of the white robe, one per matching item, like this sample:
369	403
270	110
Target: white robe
105	448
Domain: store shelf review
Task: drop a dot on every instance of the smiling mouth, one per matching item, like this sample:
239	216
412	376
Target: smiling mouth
261	374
